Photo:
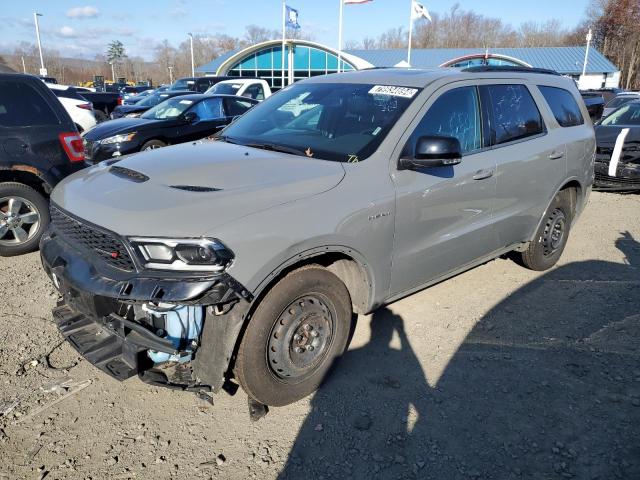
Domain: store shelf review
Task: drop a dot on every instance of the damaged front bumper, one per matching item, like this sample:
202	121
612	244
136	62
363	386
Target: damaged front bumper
102	314
626	178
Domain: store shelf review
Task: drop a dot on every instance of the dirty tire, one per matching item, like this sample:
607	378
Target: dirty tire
40	205
152	145
307	300
552	235
100	116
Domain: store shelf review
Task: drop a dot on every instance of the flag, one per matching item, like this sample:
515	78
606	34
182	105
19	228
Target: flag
356	2
292	18
419	11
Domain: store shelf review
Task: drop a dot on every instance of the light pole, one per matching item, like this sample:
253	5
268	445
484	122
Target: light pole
113	72
43	71
24	67
193	67
586	59
170	74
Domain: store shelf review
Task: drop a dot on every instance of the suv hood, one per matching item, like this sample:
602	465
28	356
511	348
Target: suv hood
220	182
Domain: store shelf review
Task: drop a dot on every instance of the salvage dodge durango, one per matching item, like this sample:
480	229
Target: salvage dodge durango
241	260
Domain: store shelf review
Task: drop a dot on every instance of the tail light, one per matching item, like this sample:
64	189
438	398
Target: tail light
85	106
119	100
72	144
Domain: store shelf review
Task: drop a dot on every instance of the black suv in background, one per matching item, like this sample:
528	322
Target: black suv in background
196	84
39	146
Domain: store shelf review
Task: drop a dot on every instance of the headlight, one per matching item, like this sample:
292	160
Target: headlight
125	137
188	255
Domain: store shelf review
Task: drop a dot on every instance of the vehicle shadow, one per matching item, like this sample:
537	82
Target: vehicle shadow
546	385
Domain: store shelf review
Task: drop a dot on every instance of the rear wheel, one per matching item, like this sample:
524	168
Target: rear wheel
152	145
100	116
24	216
297	331
552	235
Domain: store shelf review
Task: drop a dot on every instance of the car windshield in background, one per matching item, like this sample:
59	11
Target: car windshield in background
182	85
627	115
341	122
172	108
619	101
151	100
225	88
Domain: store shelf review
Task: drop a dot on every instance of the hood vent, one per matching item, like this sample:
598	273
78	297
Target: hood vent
128	174
195	188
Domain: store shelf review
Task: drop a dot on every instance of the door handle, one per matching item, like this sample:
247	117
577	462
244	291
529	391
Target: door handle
482	174
556	155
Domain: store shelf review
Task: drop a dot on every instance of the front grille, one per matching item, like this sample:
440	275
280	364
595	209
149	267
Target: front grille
604	180
99	242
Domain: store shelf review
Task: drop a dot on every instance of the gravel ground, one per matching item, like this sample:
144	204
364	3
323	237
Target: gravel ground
497	373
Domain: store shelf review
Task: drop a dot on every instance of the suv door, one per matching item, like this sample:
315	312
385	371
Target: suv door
531	159
444	214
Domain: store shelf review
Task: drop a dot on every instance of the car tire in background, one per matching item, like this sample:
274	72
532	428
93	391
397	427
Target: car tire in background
152	145
552	235
24	217
100	116
298	330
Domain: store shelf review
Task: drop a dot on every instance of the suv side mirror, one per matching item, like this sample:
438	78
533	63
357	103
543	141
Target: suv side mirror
433	151
191	117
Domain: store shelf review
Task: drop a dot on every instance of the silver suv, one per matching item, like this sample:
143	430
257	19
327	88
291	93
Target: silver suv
241	260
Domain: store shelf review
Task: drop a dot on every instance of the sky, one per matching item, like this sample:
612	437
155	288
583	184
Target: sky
84	28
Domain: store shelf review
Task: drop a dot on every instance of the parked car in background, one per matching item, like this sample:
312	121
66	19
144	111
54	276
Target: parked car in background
145	104
79	109
339	194
176	120
132	99
196	84
594	103
257	89
39	146
606	93
617	164
618	101
130	91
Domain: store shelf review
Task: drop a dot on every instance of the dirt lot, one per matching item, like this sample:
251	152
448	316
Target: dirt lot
497	373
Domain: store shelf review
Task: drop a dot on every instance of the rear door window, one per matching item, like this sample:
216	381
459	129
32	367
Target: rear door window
514	113
235	107
21	105
563	105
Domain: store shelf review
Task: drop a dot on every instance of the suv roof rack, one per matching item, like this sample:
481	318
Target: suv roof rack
509	69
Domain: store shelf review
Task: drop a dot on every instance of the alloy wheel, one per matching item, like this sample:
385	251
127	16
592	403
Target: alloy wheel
19	220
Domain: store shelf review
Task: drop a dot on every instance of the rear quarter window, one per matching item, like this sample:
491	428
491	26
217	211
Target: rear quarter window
21	105
563	105
514	113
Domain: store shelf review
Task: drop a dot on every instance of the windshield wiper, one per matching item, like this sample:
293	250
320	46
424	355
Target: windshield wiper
276	148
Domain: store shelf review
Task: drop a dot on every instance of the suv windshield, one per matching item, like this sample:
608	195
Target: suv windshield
627	115
330	121
225	88
183	84
172	108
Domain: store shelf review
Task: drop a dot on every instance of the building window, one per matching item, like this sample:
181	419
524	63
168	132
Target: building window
267	64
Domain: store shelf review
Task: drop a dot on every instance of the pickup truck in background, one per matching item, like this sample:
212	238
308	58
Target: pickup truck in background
103	102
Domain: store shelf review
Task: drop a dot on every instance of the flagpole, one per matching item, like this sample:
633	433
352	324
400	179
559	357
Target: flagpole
340	37
410	32
283	38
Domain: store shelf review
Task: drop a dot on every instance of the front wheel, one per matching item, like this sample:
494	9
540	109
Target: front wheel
552	235
152	145
24	216
296	333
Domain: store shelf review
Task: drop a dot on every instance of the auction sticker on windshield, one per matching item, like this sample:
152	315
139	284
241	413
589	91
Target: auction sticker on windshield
393	91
